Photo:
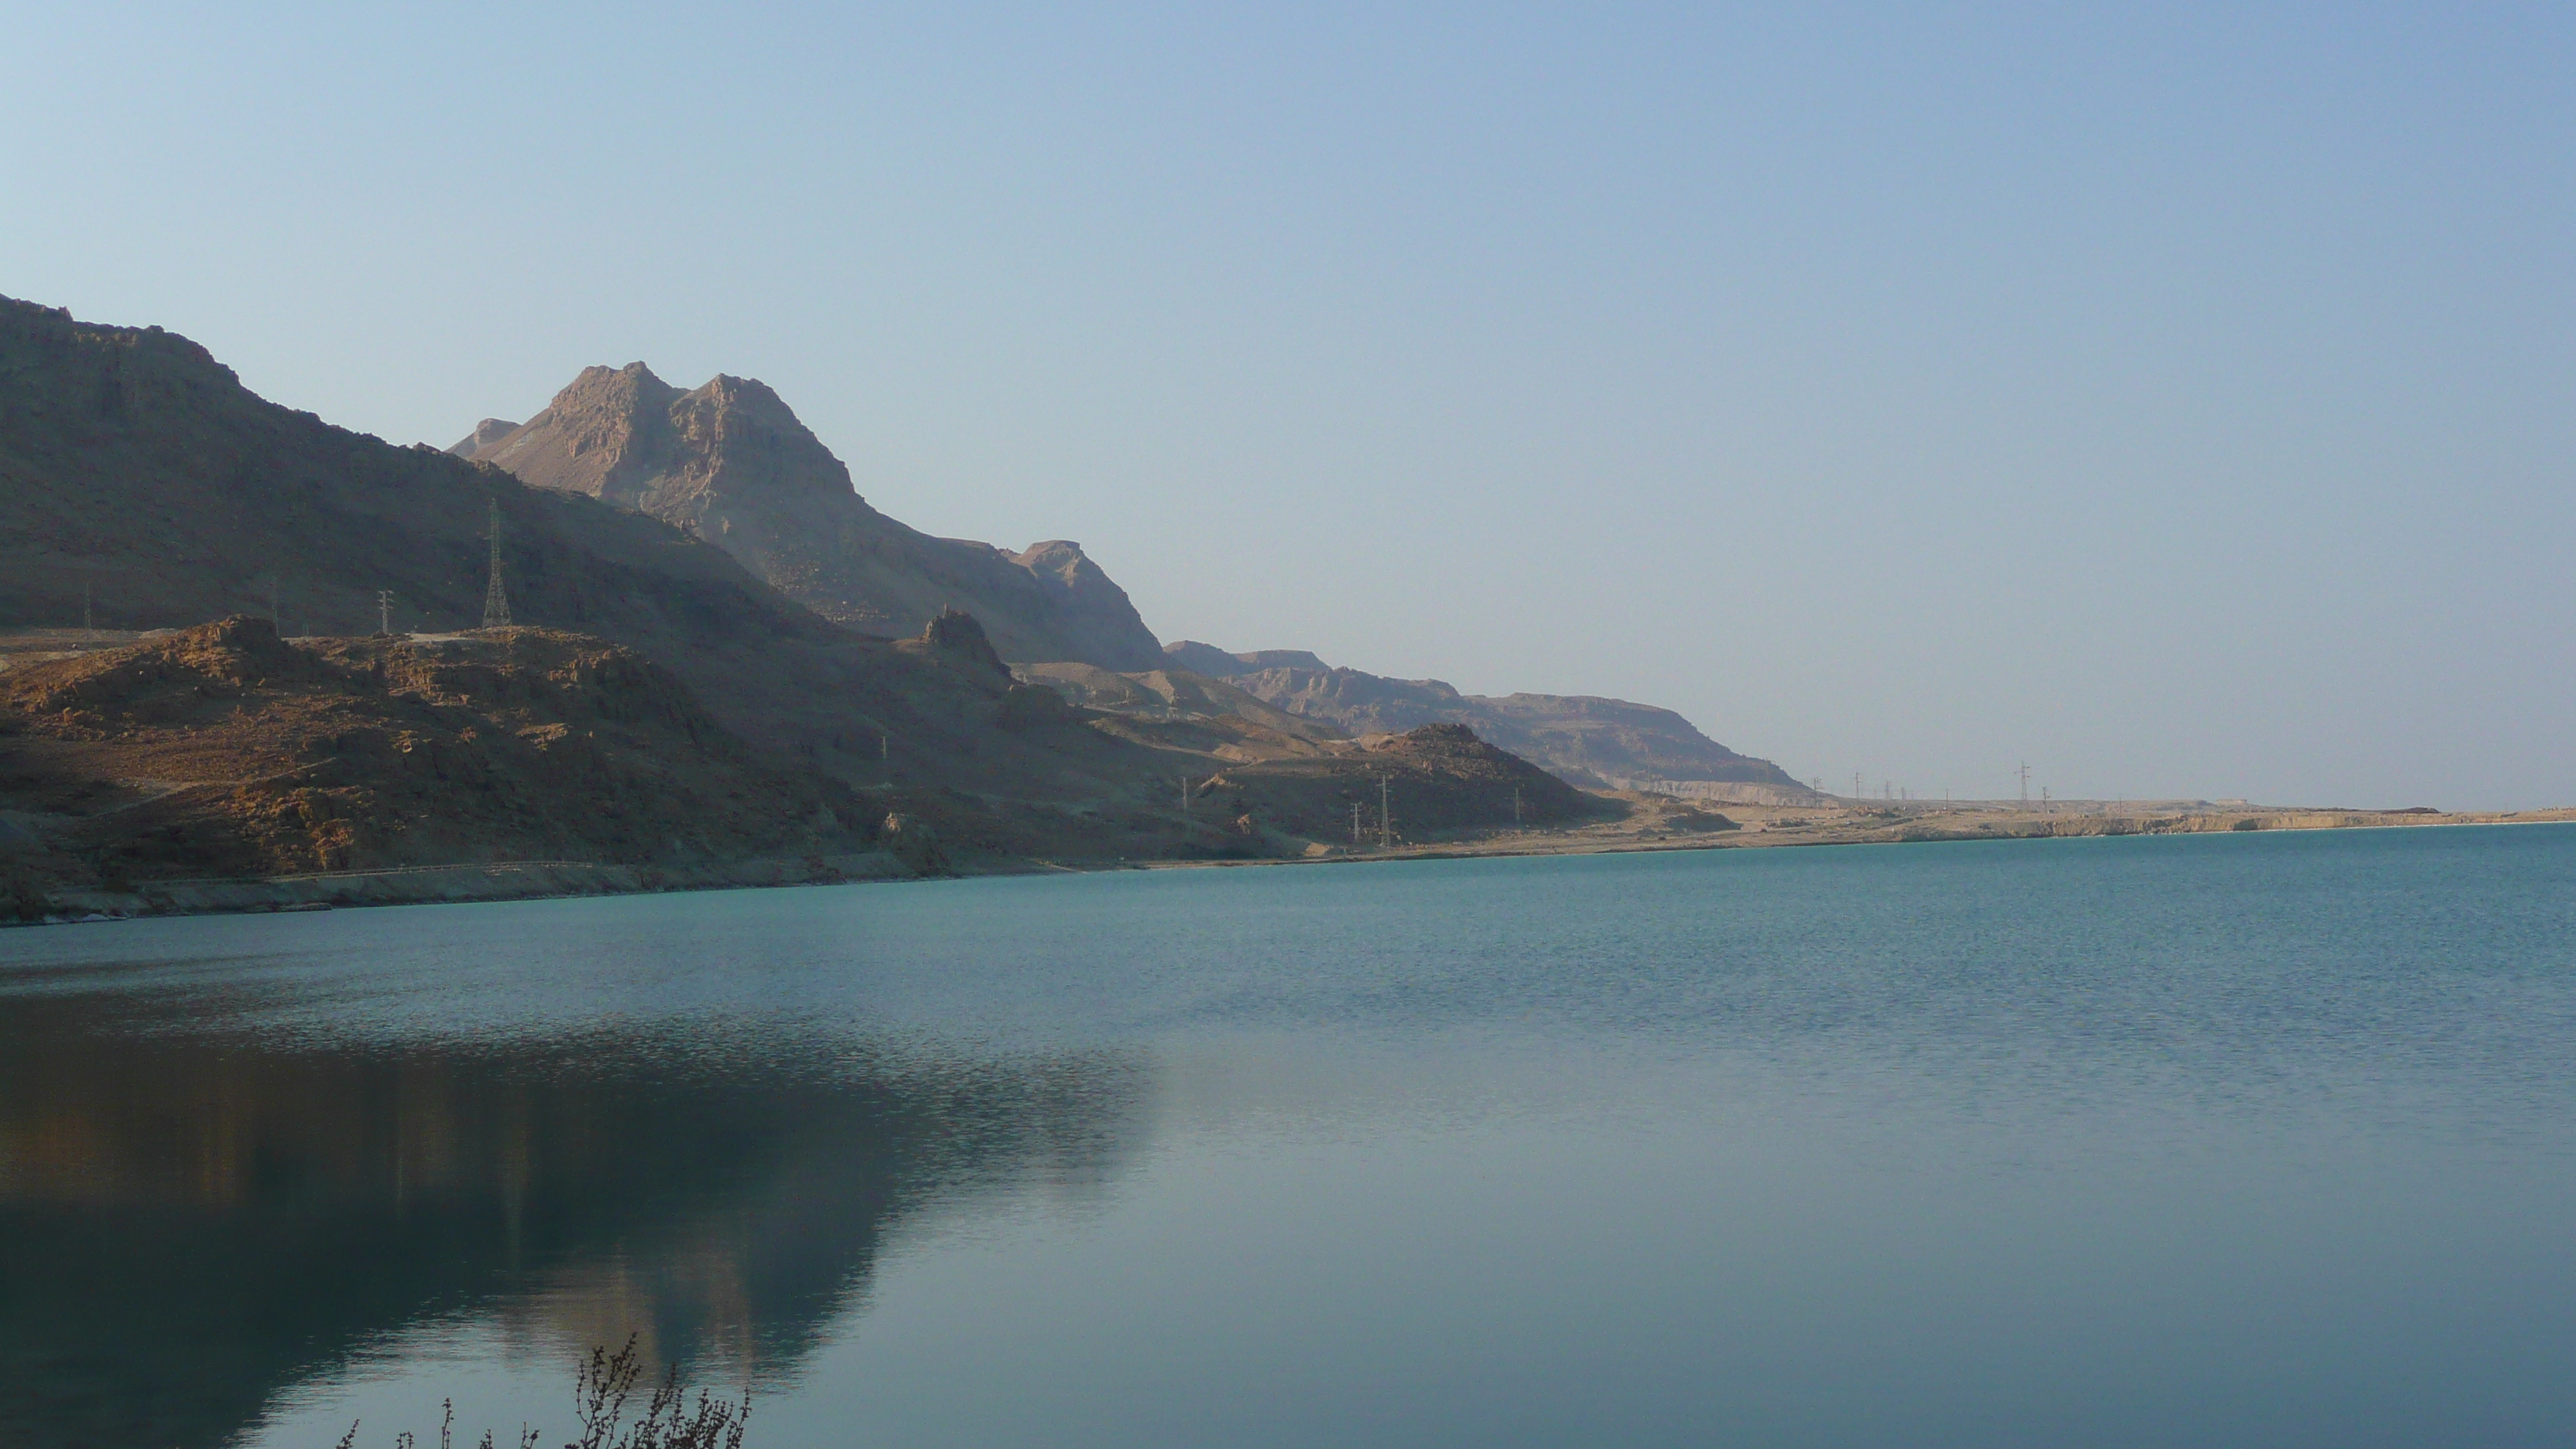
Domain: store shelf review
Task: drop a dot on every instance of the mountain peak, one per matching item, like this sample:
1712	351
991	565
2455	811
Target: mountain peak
730	461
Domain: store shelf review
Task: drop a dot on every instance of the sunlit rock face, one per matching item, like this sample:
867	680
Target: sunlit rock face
730	462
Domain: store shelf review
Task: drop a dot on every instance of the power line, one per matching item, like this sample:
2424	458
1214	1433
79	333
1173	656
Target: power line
385	611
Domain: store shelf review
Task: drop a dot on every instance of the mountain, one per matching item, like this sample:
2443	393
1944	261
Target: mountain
731	463
1588	740
147	490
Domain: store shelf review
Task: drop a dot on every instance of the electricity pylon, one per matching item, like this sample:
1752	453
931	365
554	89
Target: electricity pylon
496	600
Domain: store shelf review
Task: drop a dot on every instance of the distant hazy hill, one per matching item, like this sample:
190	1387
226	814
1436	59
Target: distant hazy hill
1583	738
731	463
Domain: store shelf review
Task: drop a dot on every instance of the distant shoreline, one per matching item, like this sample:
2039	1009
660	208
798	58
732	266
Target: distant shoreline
1765	828
1925	827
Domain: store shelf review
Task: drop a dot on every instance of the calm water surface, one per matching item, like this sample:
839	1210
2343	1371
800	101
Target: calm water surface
2257	1139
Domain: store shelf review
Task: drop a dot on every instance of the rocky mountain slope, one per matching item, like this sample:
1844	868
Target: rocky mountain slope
1591	741
731	463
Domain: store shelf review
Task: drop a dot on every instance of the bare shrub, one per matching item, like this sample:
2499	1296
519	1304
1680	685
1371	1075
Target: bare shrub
671	1419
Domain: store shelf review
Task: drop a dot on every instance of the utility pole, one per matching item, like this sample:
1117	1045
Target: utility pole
385	611
1385	821
1355	824
1516	807
1855	784
2025	782
885	756
496	601
86	626
1185	795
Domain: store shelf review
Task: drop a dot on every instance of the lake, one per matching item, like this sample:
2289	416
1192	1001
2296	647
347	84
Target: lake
2258	1139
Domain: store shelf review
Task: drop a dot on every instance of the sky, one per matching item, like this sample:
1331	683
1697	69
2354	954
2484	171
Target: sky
2181	399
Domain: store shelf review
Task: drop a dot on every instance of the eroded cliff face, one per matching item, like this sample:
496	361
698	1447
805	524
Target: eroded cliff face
731	463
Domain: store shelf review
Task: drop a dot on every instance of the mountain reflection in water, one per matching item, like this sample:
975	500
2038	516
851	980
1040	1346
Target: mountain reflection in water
191	1222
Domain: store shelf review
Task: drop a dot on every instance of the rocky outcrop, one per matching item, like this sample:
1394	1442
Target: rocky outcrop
955	637
1591	741
731	463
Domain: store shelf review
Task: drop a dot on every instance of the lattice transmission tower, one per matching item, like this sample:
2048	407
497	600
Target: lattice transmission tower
496	600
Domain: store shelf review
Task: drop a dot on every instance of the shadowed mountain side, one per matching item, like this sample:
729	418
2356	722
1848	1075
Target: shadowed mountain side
1591	741
188	1226
224	751
732	464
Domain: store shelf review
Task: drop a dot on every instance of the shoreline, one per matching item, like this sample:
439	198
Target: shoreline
1780	828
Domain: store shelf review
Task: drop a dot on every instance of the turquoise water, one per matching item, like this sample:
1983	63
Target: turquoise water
2245	1139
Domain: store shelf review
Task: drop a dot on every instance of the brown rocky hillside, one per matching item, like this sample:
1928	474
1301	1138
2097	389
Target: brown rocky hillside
732	464
1440	780
226	751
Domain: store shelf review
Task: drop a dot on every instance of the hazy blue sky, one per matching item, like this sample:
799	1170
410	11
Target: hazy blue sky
2179	398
